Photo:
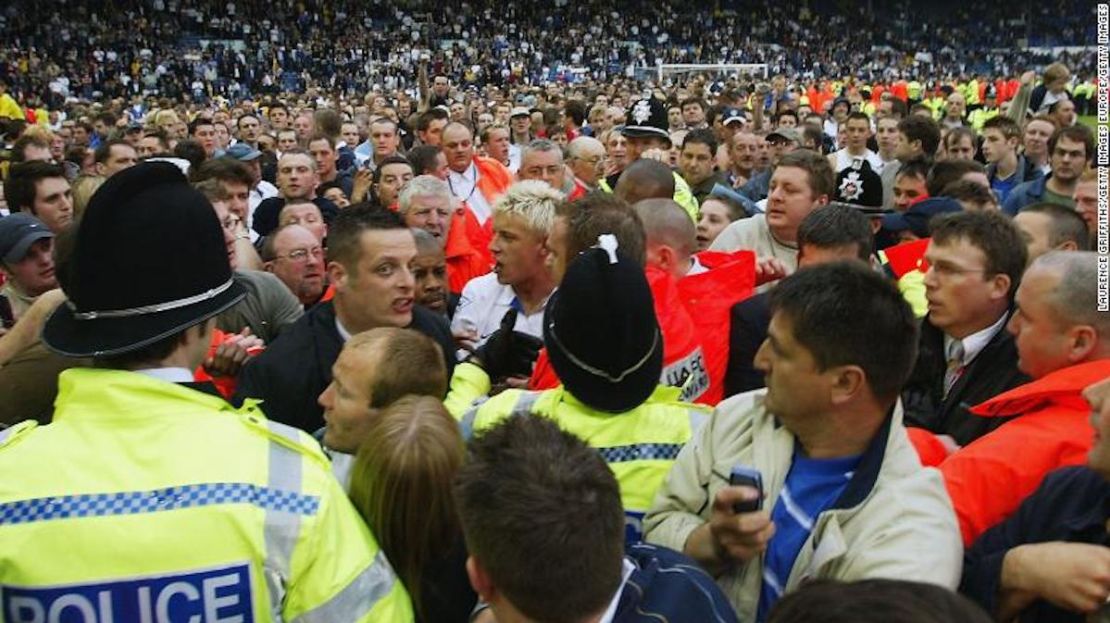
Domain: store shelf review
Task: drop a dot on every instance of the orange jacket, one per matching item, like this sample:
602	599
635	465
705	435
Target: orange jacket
709	297
683	356
493	180
464	262
989	478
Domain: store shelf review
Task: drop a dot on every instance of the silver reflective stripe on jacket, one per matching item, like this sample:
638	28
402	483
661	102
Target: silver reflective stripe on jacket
524	403
358	599
282	528
523	406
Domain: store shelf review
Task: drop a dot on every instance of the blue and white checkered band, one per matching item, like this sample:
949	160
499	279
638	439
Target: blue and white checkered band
158	500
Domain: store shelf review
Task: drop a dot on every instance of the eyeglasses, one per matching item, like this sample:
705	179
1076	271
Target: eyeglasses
231	223
301	255
591	161
948	271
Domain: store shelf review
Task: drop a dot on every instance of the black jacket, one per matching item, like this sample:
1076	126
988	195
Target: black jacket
748	324
293	371
993	371
1071	505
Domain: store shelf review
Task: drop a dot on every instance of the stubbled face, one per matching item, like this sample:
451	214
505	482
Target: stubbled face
794	380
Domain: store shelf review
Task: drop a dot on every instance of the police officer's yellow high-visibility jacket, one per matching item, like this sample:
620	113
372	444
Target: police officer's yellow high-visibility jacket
639	445
146	500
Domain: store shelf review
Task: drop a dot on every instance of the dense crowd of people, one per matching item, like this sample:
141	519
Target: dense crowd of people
197	49
329	328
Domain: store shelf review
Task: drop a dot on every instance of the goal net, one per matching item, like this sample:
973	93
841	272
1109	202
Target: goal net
670	71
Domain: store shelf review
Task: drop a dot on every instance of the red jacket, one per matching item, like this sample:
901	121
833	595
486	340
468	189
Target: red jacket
683	357
464	262
709	297
989	478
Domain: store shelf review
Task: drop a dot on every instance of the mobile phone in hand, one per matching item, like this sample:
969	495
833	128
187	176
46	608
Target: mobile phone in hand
744	476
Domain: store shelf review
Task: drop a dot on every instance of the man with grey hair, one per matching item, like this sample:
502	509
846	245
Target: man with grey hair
521	281
543	160
425	203
1063	343
586	161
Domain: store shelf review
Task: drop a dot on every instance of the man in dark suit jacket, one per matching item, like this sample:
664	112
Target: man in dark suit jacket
965	355
369	254
835	232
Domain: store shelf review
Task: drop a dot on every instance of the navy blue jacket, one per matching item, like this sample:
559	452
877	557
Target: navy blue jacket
667	586
1072	504
1025	194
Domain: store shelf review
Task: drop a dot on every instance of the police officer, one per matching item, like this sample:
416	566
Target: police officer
148	499
605	344
646	133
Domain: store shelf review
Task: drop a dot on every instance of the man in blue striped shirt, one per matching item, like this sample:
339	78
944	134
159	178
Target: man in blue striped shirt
846	496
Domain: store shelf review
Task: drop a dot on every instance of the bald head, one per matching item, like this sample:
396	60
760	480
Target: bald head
645	179
670	234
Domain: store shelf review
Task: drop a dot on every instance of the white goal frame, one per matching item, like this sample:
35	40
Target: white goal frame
665	69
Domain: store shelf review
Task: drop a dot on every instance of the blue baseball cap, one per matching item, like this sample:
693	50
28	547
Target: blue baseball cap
242	152
17	233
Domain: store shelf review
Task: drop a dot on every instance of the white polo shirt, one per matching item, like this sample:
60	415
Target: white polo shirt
484	302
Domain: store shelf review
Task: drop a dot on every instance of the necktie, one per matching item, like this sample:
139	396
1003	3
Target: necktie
955	357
